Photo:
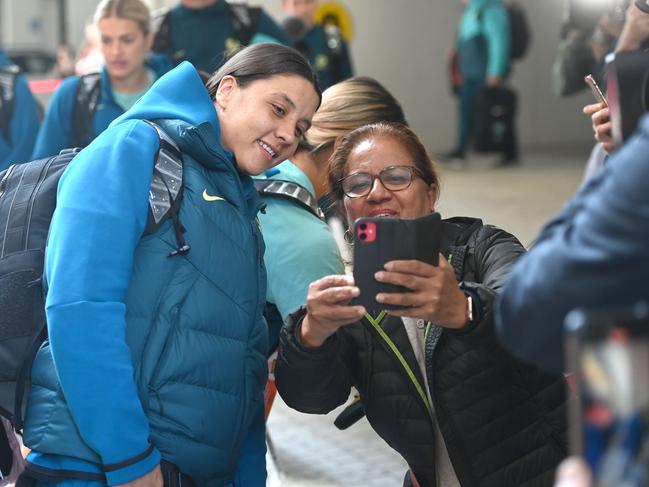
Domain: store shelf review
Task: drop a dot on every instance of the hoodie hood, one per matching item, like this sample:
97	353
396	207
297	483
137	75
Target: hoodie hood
178	95
179	102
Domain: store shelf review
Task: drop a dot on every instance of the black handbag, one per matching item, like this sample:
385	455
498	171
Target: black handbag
493	122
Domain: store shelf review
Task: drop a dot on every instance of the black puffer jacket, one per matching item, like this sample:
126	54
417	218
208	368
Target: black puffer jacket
503	422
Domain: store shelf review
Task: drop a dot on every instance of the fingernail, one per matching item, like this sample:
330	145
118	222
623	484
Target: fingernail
355	291
388	266
380	298
379	275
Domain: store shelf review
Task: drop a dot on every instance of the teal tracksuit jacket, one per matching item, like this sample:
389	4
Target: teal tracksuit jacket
151	356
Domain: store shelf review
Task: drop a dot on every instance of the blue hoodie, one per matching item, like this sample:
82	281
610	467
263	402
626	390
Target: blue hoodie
24	123
56	132
594	254
157	356
487	18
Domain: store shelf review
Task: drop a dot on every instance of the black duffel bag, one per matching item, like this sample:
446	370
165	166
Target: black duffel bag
493	119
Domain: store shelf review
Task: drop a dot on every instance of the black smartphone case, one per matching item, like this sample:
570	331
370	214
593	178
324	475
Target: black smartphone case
395	239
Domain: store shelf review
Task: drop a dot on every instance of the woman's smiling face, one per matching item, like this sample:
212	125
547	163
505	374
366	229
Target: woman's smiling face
262	122
372	156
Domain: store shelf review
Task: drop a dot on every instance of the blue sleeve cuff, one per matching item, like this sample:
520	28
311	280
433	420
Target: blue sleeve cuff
116	474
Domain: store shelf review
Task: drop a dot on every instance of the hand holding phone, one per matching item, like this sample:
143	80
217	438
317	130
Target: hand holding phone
381	240
594	87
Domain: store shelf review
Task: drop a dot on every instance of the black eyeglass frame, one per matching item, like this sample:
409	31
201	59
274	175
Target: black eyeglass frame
414	171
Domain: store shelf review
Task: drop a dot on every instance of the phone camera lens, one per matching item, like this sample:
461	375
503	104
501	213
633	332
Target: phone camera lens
363	226
363	236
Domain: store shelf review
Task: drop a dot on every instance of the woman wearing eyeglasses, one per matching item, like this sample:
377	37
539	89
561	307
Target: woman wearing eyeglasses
435	384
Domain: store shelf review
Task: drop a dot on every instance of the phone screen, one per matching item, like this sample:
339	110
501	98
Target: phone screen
610	415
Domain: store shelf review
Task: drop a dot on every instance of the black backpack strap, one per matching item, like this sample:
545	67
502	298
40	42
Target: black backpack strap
8	75
290	191
85	105
161	26
244	21
166	190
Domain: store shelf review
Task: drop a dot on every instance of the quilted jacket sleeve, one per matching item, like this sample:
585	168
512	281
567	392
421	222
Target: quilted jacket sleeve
312	380
494	254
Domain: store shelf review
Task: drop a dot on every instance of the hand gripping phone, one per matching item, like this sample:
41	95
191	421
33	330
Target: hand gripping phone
608	354
380	240
594	87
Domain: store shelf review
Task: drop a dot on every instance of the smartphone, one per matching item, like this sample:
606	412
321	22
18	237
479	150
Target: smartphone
380	240
594	87
608	354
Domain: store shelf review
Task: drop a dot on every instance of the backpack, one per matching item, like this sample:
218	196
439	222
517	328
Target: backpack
519	30
243	17
85	104
27	203
8	75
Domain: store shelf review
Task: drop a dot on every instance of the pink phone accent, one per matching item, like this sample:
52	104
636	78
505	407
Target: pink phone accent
367	232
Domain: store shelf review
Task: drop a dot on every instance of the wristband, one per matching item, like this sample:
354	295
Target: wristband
469	308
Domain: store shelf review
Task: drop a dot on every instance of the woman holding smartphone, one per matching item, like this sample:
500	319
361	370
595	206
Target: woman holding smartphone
156	358
434	382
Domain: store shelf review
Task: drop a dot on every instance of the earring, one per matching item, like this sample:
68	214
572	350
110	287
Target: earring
349	237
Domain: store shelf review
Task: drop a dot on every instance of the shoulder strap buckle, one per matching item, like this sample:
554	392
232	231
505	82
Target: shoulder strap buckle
290	191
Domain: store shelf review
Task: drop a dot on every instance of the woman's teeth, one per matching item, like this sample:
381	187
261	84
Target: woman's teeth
267	148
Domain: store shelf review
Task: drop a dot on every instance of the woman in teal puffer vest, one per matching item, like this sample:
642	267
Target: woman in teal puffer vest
155	352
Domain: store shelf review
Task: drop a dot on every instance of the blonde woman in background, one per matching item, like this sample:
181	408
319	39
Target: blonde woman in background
83	106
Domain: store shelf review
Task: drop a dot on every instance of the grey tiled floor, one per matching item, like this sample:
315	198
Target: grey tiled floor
309	450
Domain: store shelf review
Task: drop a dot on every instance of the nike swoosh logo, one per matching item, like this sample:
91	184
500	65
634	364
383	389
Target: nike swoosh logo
208	197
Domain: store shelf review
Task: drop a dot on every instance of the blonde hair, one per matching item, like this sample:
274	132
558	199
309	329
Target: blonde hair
135	10
351	104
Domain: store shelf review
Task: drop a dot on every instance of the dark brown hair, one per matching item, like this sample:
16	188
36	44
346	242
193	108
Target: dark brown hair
263	61
382	130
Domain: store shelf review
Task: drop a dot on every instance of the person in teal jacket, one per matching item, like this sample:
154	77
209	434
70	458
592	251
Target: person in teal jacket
483	50
300	247
205	32
157	348
19	119
324	46
74	117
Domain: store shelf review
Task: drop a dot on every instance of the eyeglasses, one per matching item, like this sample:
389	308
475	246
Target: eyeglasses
393	178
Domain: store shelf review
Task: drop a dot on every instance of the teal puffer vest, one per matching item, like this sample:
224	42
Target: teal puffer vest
195	329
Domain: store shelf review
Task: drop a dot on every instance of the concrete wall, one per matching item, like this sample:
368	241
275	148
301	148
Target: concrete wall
402	44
